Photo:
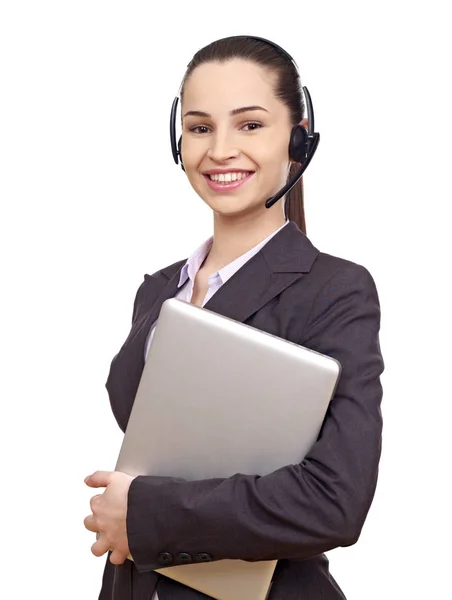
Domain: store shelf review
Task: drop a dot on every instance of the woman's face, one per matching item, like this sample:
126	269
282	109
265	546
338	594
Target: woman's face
234	126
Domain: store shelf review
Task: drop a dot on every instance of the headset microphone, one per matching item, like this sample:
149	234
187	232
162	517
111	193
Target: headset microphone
302	145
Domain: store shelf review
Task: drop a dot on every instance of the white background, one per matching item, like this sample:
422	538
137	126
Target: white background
91	200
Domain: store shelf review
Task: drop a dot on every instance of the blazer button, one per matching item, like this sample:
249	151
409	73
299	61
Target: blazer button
165	558
184	557
203	557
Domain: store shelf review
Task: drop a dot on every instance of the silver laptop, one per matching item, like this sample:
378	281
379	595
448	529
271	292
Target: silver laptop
218	397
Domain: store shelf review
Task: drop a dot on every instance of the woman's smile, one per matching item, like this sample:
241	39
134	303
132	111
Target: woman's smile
228	181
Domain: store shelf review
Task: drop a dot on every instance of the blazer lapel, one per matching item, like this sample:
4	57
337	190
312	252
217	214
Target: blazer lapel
148	318
283	260
169	291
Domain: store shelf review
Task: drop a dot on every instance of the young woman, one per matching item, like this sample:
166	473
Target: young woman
241	102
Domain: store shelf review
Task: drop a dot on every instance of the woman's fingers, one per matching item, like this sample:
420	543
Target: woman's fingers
101	546
93	501
90	523
117	557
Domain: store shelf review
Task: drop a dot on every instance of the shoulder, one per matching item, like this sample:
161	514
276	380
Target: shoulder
330	268
165	274
152	285
338	277
345	293
330	291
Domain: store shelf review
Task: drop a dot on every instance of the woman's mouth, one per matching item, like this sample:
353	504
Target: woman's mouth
228	182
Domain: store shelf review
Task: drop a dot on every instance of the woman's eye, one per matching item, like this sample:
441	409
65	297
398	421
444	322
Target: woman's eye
252	126
198	128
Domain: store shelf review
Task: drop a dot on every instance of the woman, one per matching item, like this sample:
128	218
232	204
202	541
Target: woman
261	269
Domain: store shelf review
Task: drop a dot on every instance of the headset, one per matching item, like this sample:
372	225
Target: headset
302	145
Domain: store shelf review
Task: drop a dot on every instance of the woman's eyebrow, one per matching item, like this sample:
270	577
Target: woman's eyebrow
235	111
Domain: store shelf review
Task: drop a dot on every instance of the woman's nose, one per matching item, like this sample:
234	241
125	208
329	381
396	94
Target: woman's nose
222	148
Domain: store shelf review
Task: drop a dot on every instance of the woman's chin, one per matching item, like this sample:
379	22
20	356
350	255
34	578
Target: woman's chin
229	205
232	209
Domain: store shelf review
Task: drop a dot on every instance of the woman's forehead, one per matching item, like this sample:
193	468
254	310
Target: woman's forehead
229	85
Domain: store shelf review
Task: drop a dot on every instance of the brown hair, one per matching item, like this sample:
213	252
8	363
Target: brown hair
288	90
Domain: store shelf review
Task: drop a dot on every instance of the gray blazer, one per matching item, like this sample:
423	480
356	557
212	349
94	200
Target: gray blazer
300	511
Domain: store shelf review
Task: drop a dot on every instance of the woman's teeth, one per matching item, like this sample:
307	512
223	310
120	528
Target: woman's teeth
228	177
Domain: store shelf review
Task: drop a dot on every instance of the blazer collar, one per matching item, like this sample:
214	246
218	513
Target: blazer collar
289	251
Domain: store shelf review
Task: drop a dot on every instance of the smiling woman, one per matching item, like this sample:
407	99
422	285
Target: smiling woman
243	137
250	137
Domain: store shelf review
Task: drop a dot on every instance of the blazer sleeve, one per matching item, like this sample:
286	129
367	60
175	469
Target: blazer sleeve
300	510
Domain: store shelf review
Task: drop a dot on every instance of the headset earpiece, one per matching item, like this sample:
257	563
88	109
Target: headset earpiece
179	146
298	145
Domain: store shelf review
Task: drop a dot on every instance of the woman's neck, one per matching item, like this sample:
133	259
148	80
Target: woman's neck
232	237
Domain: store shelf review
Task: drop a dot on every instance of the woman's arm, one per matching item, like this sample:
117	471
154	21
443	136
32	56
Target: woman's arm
299	510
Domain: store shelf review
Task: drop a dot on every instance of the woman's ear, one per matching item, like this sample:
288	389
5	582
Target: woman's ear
304	123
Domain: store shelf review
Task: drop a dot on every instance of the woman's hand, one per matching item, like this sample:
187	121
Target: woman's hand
109	514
